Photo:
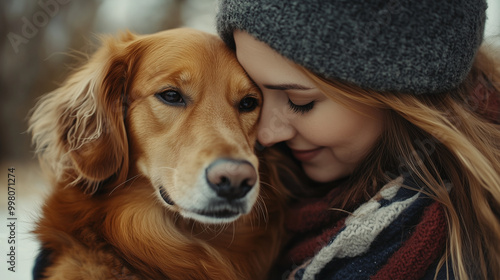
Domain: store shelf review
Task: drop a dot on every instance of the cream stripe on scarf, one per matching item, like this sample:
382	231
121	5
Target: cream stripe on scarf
361	228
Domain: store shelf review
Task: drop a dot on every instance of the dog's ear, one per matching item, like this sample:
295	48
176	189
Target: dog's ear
79	129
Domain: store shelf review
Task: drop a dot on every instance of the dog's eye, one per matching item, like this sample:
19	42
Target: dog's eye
171	97
248	104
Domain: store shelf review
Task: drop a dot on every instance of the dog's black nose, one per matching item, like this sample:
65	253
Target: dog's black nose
231	179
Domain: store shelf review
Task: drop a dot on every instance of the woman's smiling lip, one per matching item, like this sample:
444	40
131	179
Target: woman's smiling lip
306	155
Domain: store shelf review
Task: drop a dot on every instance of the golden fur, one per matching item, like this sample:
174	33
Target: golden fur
109	143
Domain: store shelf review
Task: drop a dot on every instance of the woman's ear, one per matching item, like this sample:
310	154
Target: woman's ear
79	129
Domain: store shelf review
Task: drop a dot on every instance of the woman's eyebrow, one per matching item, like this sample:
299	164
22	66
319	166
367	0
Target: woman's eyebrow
286	87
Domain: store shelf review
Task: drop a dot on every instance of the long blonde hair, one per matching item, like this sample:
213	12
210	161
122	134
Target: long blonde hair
448	143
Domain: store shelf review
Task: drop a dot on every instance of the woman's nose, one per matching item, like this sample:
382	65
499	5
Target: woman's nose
275	124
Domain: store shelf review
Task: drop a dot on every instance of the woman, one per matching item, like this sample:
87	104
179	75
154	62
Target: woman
382	119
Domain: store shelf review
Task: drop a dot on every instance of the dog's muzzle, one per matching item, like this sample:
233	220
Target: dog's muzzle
226	195
231	179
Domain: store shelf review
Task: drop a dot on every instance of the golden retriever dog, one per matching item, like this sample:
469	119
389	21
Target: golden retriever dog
150	148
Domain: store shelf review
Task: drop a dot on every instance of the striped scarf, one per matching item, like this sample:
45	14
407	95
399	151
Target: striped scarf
398	234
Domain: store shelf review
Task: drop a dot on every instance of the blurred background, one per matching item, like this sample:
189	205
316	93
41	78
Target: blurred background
39	37
38	40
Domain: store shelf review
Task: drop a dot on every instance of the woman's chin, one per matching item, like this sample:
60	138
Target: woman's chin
323	174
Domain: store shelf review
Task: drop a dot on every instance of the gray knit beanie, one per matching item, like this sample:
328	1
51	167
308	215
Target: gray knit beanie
409	46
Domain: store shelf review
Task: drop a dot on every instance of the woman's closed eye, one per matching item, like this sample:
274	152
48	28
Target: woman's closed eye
301	109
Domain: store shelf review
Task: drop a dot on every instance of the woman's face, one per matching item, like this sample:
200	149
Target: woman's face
329	139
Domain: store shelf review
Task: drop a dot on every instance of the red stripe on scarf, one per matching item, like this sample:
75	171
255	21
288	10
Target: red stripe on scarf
310	247
423	247
313	215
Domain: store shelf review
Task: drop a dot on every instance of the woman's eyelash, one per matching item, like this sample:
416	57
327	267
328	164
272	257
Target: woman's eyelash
300	108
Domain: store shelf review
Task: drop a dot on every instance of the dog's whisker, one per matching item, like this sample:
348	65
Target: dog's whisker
169	168
258	209
126	181
263	211
217	230
269	185
204	229
192	229
232	235
176	217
